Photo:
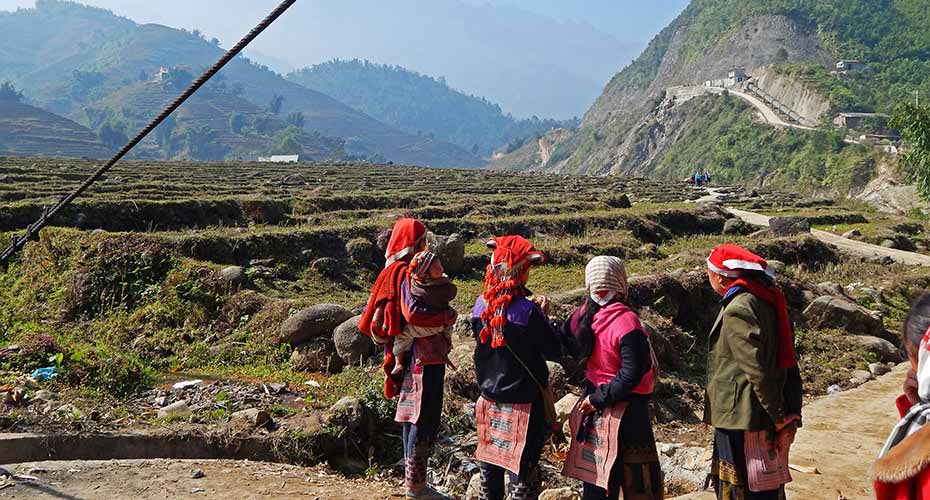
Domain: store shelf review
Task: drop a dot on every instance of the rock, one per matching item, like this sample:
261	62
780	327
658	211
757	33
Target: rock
234	275
254	416
293	180
855	233
450	250
360	251
197	474
621	201
831	288
316	356
313	322
326	266
262	263
859	377
834	389
352	345
44	395
559	494
878	369
564	407
160	401
844	314
789	226
180	386
889	244
669	449
885	350
474	487
737	227
357	428
178	408
558	381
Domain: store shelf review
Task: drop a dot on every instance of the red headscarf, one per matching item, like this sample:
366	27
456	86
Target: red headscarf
730	261
506	276
405	237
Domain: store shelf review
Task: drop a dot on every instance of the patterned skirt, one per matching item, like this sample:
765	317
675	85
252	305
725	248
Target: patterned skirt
728	471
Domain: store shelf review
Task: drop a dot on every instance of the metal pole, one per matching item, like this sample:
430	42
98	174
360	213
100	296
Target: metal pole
32	232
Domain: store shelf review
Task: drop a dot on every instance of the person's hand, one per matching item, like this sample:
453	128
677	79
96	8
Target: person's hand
785	437
910	387
377	320
586	407
543	302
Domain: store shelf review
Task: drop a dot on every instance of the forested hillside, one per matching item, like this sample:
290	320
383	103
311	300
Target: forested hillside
69	59
627	130
421	104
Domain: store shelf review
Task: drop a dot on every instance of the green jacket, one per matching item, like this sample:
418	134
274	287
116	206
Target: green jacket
746	390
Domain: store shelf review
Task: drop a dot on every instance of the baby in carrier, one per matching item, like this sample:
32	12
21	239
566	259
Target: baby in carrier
426	293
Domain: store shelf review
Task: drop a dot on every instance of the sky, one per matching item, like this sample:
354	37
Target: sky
549	58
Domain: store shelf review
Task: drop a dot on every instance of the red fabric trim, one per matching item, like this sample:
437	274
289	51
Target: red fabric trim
904	405
774	296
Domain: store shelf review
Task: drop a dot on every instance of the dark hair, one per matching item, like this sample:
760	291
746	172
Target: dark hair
757	276
917	322
585	333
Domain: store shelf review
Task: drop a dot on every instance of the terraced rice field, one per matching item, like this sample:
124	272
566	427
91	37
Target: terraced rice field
167	271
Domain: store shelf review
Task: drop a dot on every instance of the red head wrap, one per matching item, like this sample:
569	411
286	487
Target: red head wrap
405	237
506	276
732	261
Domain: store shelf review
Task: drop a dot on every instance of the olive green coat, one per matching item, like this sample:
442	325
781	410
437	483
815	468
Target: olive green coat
746	390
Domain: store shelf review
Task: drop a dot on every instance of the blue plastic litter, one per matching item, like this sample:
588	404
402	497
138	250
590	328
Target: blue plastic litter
45	374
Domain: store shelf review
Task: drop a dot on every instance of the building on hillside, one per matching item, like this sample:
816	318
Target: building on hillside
162	73
279	159
857	121
735	77
845	65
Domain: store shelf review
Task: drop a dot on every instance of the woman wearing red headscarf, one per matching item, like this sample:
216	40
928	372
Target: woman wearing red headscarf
753	397
514	338
420	384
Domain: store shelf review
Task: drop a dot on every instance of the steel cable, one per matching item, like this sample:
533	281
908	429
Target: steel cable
32	231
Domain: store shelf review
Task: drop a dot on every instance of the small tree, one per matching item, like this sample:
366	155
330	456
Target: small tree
913	122
296	119
277	102
8	93
112	134
288	141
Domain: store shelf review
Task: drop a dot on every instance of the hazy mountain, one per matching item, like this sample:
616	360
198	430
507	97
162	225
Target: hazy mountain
420	104
68	57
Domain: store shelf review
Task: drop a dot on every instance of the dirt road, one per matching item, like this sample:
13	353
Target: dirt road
174	479
848	246
842	436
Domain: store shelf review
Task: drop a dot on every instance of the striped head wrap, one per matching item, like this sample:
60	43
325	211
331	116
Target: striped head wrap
605	278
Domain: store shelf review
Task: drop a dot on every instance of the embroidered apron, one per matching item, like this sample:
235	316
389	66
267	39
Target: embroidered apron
592	460
502	430
766	468
411	397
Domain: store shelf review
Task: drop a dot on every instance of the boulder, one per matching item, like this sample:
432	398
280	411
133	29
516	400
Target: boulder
253	416
737	227
317	356
878	369
234	275
356	426
831	288
844	314
450	250
177	409
885	350
789	226
361	252
352	345
855	233
311	323
859	377
326	266
558	380
559	494
619	201
777	266
564	407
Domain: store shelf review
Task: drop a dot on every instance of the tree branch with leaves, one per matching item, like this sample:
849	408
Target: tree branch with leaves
913	123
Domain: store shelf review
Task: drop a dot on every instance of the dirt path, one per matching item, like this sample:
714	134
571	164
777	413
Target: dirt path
173	479
848	246
842	436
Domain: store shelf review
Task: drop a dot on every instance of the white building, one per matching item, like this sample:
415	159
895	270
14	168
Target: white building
279	159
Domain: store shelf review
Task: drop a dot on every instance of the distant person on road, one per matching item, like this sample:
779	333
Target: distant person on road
753	397
903	468
419	386
706	177
514	338
619	381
